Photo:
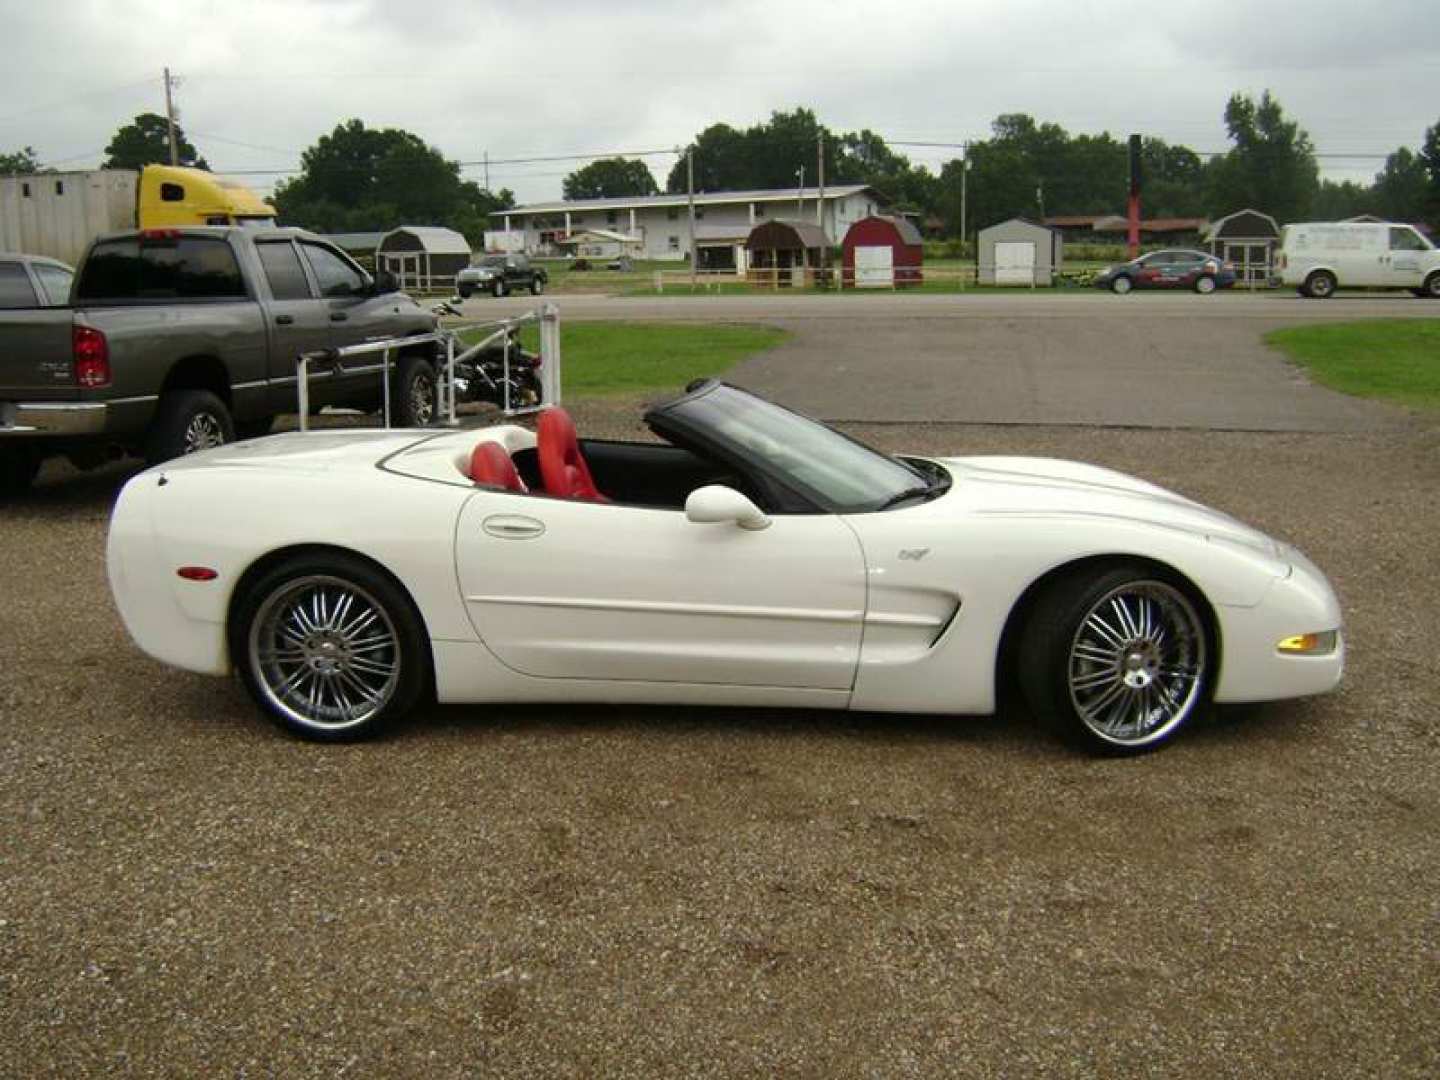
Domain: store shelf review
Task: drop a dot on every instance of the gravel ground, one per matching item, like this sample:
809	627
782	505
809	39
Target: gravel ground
651	891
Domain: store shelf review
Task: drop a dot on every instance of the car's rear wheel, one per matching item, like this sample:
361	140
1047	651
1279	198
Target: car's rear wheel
330	647
1320	285
537	286
1121	285
186	422
463	291
1204	284
1117	660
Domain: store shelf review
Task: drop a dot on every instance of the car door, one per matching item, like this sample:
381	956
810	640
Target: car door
1403	260
295	322
355	316
560	588
1151	270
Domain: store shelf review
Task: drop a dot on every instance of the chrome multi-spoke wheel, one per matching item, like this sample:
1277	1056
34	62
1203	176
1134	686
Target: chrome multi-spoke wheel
329	646
1117	657
1136	663
203	432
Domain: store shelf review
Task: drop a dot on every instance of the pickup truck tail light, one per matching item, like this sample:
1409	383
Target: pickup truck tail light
91	353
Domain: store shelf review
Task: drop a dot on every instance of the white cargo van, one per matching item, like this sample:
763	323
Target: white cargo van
1318	257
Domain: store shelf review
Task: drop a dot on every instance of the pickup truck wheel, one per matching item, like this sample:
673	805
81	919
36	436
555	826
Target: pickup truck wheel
414	395
187	422
498	288
463	291
18	467
1432	286
536	285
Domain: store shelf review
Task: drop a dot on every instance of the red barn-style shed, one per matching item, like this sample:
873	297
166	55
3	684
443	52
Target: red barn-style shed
882	252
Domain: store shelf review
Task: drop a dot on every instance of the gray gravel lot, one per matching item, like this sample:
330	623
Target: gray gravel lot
703	892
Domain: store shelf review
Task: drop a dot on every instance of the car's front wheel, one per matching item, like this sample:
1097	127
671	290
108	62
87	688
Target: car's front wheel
329	646
1118	660
537	285
1320	285
463	291
1432	286
1204	284
498	289
1121	285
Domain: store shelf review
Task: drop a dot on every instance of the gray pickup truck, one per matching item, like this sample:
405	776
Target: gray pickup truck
175	340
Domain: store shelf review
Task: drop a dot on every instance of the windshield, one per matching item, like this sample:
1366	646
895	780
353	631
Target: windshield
492	260
832	469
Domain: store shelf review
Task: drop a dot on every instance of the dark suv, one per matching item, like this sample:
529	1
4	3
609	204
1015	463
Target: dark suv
500	274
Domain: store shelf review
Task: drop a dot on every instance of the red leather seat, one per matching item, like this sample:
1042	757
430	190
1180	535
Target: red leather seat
562	466
490	464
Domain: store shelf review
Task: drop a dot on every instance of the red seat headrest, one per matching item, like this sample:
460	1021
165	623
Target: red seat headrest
490	464
562	466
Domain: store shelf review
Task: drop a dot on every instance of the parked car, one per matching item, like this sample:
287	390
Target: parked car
501	274
755	557
1170	269
33	281
180	339
1318	257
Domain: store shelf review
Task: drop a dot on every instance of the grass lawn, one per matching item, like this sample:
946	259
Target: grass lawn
603	358
1394	359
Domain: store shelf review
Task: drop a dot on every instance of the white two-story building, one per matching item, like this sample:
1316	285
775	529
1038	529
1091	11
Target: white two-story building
658	226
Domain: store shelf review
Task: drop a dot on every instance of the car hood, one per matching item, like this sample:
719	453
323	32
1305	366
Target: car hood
1049	487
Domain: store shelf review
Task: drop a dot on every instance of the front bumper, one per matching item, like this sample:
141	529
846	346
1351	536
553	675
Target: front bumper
31	418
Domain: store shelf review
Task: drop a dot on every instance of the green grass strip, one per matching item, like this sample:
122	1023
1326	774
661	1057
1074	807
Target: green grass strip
1392	359
609	358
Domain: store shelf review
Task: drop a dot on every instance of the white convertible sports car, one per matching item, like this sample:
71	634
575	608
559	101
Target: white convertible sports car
754	557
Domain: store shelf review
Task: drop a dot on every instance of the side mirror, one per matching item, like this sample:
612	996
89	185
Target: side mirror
385	283
717	504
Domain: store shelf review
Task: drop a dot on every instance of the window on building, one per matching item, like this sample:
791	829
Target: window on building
611	217
699	213
673	213
674	243
59	187
759	211
25	190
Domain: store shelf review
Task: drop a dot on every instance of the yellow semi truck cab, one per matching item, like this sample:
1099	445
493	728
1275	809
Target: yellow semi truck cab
172	196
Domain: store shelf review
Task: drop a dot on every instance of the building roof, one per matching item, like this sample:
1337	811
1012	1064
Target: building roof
702	198
1120	223
1221	227
355	241
433	238
909	234
806	234
1023	221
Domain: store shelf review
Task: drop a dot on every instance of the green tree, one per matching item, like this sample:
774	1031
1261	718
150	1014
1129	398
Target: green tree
1338	200
1271	167
146	141
363	179
1401	187
610	178
1430	156
21	161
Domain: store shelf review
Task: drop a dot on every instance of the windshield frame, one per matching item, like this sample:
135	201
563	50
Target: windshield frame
682	423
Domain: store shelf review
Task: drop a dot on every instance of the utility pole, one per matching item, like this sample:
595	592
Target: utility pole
964	175
820	205
487	170
170	117
800	192
690	198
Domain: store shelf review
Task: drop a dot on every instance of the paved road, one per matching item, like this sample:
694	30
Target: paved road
1157	360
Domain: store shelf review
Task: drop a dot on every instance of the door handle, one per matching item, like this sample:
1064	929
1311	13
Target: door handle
513	527
284	320
338	316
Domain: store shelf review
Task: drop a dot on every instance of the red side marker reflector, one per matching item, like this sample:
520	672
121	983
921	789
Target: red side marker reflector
197	573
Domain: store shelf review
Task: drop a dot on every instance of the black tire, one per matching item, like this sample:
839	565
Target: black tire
19	465
1205	284
537	285
463	291
329	646
186	422
1431	289
254	429
1121	285
1108	685
498	289
414	398
1320	285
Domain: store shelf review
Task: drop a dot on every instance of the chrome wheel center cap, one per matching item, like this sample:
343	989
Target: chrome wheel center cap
1139	667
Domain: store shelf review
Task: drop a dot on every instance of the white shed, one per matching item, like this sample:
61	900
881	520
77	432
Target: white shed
1019	252
423	256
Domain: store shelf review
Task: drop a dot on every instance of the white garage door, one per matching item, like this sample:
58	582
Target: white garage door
874	267
1014	262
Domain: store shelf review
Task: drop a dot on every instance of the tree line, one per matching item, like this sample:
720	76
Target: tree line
361	179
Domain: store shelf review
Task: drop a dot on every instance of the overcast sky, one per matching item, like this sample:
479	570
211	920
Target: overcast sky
262	81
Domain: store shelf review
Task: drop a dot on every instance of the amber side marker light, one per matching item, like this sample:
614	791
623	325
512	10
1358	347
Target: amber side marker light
1308	644
198	573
